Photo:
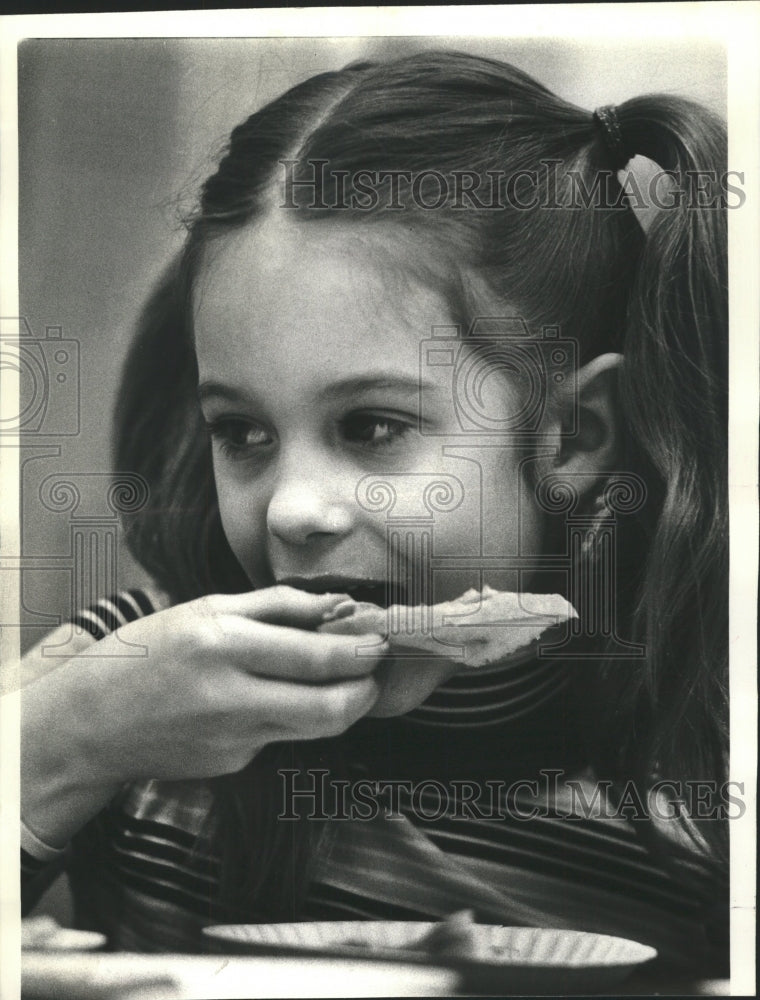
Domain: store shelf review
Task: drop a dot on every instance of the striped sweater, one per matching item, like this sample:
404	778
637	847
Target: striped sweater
477	799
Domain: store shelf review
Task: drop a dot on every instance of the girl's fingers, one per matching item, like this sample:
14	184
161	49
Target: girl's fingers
291	654
298	711
363	620
278	605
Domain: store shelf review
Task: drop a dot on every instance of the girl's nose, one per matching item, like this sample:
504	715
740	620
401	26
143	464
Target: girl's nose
301	508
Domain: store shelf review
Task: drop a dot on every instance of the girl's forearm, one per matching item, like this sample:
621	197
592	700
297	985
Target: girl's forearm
60	787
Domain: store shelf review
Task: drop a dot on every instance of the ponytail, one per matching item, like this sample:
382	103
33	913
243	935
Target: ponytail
674	399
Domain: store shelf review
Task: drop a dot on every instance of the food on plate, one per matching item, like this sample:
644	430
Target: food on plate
455	937
478	628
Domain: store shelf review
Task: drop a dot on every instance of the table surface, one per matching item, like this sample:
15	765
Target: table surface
123	976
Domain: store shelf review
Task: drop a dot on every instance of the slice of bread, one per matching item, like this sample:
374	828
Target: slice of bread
478	628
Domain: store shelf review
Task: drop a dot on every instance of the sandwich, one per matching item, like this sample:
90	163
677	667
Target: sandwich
480	627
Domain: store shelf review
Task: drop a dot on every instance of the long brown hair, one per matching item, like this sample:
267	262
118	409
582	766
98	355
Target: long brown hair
587	268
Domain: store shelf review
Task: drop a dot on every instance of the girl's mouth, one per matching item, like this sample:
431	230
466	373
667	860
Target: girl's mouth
383	593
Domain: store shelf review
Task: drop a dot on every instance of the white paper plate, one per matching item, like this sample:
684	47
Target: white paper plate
45	934
520	959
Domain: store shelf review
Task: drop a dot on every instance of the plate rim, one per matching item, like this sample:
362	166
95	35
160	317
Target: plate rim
647	952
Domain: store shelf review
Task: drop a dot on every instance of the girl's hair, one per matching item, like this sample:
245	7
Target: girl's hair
582	264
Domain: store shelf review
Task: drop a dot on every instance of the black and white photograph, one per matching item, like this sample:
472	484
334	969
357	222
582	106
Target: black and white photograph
379	502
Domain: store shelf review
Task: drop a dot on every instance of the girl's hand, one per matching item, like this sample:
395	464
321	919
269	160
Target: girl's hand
223	677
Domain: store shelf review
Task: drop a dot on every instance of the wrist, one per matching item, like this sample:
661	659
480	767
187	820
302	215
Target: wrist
37	847
61	787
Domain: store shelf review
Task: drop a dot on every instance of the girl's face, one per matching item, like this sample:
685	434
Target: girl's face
313	377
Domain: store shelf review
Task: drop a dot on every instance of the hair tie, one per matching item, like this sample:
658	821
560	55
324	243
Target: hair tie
607	120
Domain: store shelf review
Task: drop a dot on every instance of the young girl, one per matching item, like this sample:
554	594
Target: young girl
366	236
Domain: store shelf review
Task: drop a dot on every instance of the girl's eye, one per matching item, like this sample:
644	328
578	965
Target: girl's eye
238	438
374	430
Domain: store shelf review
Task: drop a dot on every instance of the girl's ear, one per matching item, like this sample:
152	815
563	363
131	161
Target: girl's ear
593	448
